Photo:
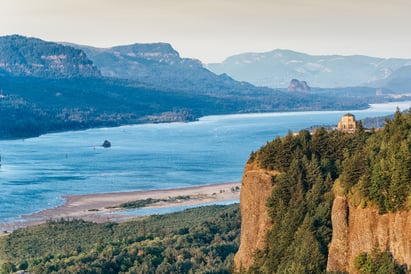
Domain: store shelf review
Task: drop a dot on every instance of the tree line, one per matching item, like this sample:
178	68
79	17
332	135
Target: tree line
373	165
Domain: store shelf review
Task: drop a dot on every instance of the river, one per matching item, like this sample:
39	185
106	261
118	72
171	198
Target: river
36	172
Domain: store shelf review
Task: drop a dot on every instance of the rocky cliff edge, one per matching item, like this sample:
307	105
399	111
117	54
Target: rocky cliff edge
255	189
357	230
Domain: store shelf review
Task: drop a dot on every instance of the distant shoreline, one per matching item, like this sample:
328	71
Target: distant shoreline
99	207
144	122
191	120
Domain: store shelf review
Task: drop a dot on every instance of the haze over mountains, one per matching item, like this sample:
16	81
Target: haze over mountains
47	86
160	65
276	68
21	56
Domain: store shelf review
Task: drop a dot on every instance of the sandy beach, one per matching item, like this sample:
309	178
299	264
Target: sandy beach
103	207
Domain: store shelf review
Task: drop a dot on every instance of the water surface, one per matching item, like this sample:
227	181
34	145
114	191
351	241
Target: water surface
36	172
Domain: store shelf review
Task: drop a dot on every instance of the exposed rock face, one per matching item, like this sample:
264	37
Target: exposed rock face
22	56
106	144
255	189
357	230
298	86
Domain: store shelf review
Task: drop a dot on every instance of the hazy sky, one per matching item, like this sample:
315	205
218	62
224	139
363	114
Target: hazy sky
211	30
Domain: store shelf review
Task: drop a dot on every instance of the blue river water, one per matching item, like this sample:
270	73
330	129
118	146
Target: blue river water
35	173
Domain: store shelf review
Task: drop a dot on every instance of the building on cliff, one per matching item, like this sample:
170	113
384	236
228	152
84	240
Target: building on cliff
347	123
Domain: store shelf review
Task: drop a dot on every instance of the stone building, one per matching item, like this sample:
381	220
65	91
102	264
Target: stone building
347	123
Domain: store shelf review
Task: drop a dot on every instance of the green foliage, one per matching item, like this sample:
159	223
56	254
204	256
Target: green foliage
300	208
149	201
201	240
300	204
386	179
138	203
374	166
378	263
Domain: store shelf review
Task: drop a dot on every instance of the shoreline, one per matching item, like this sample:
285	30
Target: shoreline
197	119
102	207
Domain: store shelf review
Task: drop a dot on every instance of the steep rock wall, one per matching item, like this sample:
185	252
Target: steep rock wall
357	230
255	189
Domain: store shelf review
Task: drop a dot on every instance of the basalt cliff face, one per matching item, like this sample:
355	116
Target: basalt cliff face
357	230
255	189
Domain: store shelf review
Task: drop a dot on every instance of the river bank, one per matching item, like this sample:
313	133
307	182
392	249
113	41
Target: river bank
105	207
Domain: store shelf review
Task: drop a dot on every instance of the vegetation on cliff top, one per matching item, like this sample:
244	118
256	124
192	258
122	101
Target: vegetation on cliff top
375	166
200	240
380	171
377	263
300	204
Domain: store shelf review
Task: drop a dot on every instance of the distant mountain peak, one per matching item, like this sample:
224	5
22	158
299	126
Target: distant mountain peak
156	63
159	52
26	56
298	86
159	47
275	68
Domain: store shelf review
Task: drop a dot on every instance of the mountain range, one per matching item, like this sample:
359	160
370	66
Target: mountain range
21	56
48	86
161	66
276	68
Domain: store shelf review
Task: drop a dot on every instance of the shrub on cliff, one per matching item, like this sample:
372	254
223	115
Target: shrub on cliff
377	263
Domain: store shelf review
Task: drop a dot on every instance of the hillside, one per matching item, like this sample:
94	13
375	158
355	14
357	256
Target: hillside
276	68
160	65
399	80
199	240
306	177
48	87
22	56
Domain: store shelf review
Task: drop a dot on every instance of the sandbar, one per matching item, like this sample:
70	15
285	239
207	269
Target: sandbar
101	207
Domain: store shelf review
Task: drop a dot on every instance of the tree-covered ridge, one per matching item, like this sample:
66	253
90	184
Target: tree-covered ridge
374	166
300	204
201	240
22	56
380	172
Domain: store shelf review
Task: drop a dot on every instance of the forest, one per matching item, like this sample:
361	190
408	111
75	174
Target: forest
199	240
373	166
32	106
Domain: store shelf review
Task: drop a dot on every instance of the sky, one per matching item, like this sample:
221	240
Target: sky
211	30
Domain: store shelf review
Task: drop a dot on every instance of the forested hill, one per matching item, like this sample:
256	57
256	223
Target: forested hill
47	87
372	168
22	56
199	240
160	66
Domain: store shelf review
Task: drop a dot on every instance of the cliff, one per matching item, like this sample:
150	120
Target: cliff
255	189
339	202
22	56
357	230
298	86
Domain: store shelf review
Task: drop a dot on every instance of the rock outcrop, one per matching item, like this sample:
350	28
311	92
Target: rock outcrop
357	230
23	56
106	144
255	189
298	86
